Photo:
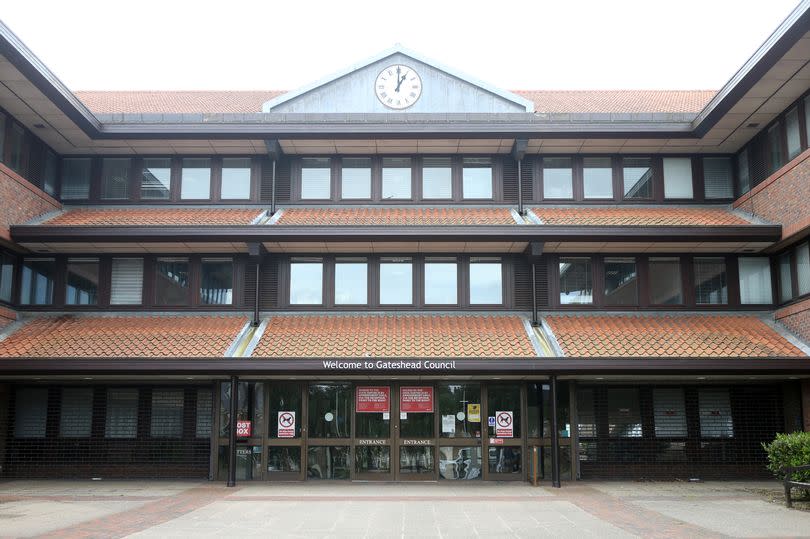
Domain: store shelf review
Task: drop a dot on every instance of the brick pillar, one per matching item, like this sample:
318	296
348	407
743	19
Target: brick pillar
806	404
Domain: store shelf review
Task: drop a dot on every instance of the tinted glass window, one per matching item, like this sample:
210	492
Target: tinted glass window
306	282
30	412
486	281
437	178
115	179
624	413
576	285
665	281
794	143
15	142
216	281
156	179
717	181
36	285
6	277
50	172
396	281
167	413
597	177
621	281
235	179
396	178
476	178
774	147
76	412
785	279
351	282
638	178
743	171
710	281
558	178
356	178
803	268
195	181
75	178
330	410
441	280
122	413
82	281
171	281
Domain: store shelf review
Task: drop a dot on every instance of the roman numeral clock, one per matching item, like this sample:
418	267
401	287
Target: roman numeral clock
398	86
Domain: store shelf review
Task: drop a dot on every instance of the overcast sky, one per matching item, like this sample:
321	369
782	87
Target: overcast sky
272	45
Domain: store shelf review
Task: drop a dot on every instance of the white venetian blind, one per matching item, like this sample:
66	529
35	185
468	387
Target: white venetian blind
677	177
127	281
717	177
755	280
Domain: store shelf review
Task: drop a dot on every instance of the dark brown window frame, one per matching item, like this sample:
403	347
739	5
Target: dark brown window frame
35	152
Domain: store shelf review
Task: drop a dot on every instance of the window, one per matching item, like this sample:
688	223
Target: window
597	177
82	281
621	281
167	413
316	178
715	414
50	171
755	280
36	286
15	142
774	147
476	178
396	281
486	281
205	408
624	413
396	178
30	412
2	137
678	177
6	277
669	412
558	178
195	179
216	281
156	179
794	143
441	281
803	268
743	172
665	281
785	279
356	178
235	183
351	281
710	281
638	178
306	281
807	117
75	178
437	178
171	281
127	281
717	178
115	179
76	412
329	406
576	285
122	413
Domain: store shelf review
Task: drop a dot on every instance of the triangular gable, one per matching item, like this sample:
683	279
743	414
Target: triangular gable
443	90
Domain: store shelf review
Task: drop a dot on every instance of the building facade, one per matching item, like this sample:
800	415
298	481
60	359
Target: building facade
400	273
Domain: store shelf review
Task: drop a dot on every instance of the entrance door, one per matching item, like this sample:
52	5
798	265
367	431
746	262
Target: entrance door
372	432
504	441
416	432
285	425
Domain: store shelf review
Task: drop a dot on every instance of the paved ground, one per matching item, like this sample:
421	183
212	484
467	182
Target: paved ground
69	509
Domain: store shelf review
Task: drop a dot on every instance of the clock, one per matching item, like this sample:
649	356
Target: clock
398	86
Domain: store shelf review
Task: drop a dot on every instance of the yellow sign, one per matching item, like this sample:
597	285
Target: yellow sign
474	413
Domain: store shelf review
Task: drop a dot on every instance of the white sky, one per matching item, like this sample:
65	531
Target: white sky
270	45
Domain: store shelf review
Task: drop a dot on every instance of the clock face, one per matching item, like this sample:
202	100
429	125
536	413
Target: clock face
398	86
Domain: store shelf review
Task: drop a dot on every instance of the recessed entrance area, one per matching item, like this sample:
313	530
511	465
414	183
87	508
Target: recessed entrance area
384	430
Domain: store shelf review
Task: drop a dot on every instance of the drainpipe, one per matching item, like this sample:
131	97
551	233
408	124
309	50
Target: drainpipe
255	321
518	152
555	437
520	188
232	433
535	318
273	188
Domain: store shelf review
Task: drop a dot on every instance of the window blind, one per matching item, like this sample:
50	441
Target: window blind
31	411
755	280
715	414
122	413
76	412
678	177
717	177
669	412
127	281
75	178
167	413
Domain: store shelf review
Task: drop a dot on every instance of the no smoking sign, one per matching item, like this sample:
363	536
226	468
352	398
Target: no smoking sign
504	424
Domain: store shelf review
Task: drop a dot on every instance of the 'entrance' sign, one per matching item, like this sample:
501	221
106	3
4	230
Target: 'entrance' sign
416	399
373	399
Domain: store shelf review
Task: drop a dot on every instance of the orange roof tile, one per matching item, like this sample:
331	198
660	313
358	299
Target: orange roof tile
396	216
123	336
154	217
560	101
668	336
394	336
660	216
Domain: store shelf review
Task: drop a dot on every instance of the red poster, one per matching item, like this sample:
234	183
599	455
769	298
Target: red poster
416	399
373	399
244	429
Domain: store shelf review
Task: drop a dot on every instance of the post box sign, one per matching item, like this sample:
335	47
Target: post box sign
244	428
370	400
286	424
504	424
416	399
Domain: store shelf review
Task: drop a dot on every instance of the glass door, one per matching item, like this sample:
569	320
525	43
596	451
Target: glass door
329	429
286	416
416	432
461	426
372	432
504	441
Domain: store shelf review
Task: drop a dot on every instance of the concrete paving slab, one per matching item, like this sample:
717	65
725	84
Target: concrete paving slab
34	517
96	488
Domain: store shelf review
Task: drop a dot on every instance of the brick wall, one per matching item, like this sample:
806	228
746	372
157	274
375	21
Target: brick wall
782	197
797	318
22	201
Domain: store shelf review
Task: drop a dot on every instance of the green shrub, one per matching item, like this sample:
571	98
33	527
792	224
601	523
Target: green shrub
789	450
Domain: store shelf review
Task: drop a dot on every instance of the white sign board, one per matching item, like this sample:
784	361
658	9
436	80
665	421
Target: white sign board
286	424
504	424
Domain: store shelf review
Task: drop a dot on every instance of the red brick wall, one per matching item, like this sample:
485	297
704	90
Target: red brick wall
797	318
782	198
21	201
7	316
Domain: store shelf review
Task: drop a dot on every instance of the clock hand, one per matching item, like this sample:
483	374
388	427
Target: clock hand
400	81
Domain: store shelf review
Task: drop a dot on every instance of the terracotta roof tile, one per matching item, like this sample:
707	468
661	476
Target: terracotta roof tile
396	216
561	101
394	336
660	216
123	336
154	217
668	336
